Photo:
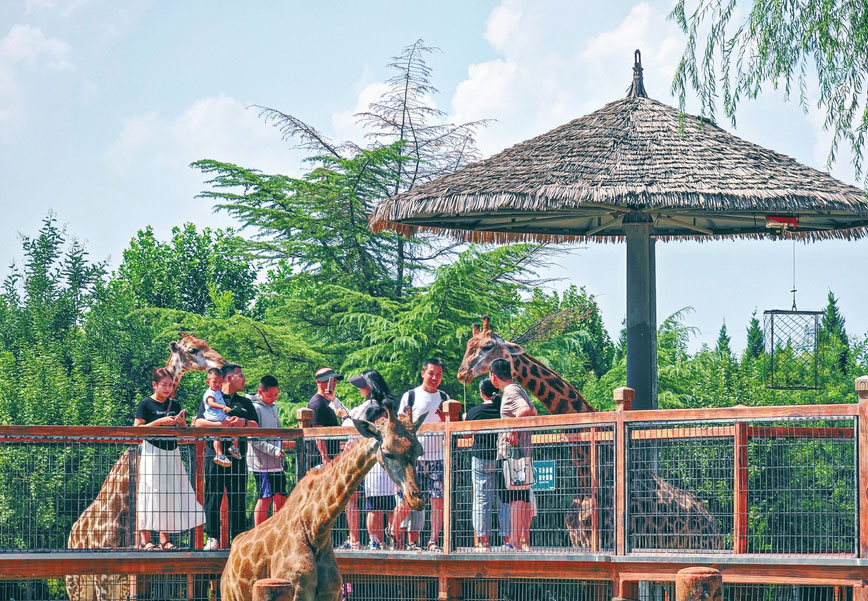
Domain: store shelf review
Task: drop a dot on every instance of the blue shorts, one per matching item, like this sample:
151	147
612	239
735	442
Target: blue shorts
380	503
269	484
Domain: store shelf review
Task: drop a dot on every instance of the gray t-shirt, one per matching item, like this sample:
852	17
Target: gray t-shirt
513	400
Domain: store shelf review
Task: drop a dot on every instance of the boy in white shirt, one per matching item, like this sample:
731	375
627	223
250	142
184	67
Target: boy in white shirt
429	467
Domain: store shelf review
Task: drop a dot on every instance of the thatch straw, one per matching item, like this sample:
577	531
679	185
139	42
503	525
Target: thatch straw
578	181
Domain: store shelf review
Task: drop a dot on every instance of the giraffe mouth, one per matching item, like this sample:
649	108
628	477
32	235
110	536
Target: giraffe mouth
464	376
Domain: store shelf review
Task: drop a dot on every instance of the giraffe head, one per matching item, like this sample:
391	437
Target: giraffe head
484	347
192	354
397	450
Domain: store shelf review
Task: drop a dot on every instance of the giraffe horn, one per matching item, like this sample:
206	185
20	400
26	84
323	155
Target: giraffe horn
486	323
475	329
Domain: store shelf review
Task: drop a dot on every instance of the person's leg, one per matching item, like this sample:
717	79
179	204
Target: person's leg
374	523
144	537
519	513
218	447
278	488
214	488
402	511
279	500
436	519
352	512
260	511
236	487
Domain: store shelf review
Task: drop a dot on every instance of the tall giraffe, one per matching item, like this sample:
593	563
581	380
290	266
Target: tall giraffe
662	516
295	543
106	523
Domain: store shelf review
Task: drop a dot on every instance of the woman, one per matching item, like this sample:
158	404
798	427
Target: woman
484	468
378	486
165	501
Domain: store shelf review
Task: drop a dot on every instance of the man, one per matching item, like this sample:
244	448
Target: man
425	398
514	403
231	480
323	415
323	405
265	456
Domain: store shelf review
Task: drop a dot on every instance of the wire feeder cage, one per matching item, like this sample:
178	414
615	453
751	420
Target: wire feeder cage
791	344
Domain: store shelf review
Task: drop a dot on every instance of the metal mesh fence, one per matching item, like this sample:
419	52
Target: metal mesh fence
535	589
797	492
375	587
680	479
109	493
570	507
116	587
665	591
791	343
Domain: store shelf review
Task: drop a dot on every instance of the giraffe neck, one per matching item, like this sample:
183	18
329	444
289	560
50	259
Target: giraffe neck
558	395
176	369
337	482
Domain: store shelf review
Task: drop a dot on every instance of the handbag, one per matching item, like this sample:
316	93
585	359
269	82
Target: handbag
518	470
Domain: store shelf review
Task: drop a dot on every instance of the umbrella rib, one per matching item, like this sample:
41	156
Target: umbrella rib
614	221
684	223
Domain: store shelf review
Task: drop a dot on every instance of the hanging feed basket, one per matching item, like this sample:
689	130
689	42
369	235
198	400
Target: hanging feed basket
791	344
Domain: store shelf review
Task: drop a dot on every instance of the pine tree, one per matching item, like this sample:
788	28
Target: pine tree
723	341
755	341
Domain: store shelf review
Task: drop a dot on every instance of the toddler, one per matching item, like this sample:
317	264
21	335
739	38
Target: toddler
216	411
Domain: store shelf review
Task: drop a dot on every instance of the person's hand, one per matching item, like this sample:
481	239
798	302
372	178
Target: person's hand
342	413
512	438
233	422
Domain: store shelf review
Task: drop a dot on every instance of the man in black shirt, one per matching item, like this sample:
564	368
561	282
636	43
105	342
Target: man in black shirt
230	480
324	416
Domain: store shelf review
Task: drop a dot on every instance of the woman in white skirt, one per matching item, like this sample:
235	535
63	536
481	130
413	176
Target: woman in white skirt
165	501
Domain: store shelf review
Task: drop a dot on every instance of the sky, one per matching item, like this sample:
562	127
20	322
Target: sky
104	104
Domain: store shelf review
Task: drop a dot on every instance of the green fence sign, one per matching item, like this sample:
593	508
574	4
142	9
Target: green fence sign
544	473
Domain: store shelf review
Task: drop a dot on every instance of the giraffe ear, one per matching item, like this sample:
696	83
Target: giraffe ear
173	346
367	429
475	329
419	421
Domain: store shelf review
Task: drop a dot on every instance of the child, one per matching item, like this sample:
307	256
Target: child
216	412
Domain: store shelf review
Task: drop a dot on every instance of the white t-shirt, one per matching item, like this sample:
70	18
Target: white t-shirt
424	401
378	483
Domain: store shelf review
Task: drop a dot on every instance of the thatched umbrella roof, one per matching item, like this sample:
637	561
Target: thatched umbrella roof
579	181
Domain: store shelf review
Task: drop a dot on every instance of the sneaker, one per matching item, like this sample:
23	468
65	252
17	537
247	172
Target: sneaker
212	545
235	452
350	546
222	461
374	546
413	547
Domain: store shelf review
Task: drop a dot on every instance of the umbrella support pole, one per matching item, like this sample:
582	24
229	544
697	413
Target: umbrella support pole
641	315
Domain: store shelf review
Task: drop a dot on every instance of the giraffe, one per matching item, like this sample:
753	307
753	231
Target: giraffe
295	543
106	523
662	515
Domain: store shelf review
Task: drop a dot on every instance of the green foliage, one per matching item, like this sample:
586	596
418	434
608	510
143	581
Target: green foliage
755	341
783	43
192	272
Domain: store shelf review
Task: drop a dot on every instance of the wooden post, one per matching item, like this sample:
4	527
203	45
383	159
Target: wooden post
304	417
739	492
271	589
698	584
624	398
452	411
862	450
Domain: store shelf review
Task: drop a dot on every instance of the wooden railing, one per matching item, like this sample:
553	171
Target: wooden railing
630	432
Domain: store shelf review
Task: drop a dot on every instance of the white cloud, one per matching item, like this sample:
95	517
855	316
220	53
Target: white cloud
217	128
344	123
503	22
541	79
27	44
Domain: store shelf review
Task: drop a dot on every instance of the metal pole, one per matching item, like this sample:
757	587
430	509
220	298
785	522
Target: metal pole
641	313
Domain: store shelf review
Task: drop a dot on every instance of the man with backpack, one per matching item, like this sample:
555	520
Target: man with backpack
429	468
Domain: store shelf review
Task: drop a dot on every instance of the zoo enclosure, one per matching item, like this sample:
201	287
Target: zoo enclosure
783	484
